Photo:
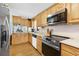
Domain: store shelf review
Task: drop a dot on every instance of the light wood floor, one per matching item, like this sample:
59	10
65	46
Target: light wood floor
23	50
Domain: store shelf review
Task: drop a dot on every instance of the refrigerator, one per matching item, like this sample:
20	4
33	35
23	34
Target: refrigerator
4	31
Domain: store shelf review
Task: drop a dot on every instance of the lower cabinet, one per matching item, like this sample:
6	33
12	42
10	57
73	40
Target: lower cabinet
18	38
39	44
67	50
30	38
65	53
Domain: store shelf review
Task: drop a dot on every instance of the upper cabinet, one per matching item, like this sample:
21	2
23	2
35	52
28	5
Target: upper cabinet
75	12
22	21
38	20
72	12
30	23
44	16
56	7
41	19
16	19
25	22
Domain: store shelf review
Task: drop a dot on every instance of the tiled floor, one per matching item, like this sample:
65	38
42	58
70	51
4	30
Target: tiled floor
23	50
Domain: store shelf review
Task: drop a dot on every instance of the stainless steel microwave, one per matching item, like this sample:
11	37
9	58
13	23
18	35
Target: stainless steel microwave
59	17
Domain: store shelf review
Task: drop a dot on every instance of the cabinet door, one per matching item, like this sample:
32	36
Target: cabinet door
29	23
25	37
57	7
30	38
19	20
75	12
68	6
44	18
65	53
38	20
60	6
24	22
15	19
19	38
15	39
52	9
39	44
35	23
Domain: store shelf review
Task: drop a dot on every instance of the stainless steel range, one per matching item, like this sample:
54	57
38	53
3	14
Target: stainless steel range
51	45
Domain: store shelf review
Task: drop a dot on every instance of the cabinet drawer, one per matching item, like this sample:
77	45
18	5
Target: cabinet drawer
70	49
65	53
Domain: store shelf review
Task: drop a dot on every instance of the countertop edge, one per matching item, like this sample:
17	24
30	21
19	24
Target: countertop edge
68	43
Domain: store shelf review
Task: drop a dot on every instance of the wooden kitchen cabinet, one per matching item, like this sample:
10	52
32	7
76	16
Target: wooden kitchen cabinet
16	20
39	44
75	12
30	38
68	7
65	53
57	7
39	22
72	12
60	6
22	21
44	18
29	23
18	38
67	50
41	19
26	22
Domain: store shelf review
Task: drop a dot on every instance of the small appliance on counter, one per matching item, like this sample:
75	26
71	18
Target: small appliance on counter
49	32
19	28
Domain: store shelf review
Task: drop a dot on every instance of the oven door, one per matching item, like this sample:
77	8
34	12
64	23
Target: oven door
49	51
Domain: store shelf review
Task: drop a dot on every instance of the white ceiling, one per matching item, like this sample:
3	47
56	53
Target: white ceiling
28	10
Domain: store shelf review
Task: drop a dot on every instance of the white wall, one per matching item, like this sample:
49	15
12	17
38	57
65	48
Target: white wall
65	28
71	31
